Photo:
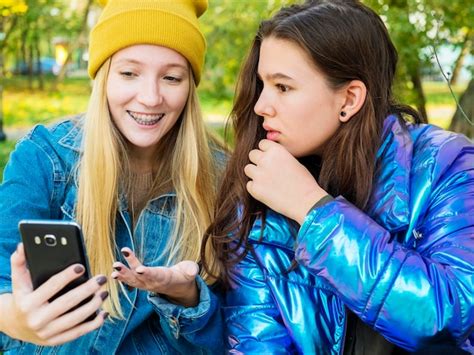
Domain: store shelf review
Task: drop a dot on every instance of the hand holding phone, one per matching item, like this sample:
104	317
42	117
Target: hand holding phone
40	314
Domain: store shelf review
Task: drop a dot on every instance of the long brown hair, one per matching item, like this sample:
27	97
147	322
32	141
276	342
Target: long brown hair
346	41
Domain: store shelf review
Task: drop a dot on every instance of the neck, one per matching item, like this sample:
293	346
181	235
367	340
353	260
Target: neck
142	159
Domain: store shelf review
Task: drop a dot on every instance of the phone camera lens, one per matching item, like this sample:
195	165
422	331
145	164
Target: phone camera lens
50	240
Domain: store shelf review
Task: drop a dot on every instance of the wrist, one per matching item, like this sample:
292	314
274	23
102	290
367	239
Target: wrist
189	298
308	202
5	305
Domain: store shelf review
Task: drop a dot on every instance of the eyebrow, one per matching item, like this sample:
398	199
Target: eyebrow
275	76
134	61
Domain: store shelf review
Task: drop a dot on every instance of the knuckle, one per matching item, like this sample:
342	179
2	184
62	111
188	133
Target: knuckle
33	323
42	336
23	306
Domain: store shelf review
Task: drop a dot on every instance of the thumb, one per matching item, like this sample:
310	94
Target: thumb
188	268
21	279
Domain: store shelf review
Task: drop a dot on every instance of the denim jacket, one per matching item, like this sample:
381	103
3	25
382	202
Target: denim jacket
40	183
405	266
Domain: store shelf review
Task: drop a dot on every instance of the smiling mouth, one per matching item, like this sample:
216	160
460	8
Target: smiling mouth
146	119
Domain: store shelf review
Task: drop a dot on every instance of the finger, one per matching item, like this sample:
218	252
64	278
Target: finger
127	276
131	259
265	144
78	331
249	187
21	279
75	317
251	171
255	155
72	298
57	282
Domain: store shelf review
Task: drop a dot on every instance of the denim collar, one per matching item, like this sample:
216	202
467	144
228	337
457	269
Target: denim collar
73	139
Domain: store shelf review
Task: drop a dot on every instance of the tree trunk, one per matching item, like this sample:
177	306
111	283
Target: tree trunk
40	68
2	134
459	123
4	42
465	50
420	94
75	44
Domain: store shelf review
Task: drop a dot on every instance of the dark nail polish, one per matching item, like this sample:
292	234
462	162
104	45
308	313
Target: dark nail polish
118	268
78	269
101	280
126	253
104	295
105	315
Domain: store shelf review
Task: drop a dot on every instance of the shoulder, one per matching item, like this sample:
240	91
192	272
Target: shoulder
437	151
66	133
55	147
220	154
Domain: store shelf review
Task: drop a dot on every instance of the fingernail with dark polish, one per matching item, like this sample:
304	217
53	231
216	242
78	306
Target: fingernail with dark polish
101	280
105	315
104	295
78	269
126	253
118	268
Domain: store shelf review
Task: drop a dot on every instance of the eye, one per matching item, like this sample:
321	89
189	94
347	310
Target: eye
282	88
173	79
127	74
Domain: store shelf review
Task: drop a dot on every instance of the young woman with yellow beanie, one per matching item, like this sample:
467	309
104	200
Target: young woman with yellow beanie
138	172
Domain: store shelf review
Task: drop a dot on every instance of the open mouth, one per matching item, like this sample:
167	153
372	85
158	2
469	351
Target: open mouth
146	119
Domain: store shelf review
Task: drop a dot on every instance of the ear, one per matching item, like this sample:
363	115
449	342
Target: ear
354	95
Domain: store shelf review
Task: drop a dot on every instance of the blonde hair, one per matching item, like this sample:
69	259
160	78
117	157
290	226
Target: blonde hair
184	164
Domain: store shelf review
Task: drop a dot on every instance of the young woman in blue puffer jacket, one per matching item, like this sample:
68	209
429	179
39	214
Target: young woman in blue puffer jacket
345	224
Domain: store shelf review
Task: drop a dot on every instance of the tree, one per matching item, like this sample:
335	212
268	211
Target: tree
460	123
229	27
9	11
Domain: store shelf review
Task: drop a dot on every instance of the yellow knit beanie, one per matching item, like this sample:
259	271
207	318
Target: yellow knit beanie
167	23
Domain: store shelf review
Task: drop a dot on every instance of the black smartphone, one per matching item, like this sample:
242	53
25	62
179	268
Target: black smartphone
50	247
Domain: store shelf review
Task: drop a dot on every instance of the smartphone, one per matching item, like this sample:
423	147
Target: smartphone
50	247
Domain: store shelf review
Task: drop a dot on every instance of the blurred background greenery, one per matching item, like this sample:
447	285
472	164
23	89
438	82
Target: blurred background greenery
43	58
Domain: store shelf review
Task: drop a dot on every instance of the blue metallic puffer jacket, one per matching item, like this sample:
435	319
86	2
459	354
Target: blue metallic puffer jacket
405	266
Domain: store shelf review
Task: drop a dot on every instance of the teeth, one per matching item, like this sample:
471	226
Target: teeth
146	119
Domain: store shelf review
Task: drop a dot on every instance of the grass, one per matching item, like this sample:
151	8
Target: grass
25	107
440	104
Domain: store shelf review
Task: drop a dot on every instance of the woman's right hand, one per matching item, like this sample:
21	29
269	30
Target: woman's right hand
28	316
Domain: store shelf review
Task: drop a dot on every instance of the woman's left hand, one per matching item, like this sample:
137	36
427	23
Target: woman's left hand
177	283
279	181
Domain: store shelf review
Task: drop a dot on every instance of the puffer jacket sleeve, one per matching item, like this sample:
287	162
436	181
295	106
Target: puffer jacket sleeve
25	193
253	322
412	295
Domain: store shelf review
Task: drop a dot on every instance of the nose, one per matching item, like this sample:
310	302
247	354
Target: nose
263	106
149	93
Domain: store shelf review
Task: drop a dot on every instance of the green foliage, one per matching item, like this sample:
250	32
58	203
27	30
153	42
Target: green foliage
416	26
229	27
